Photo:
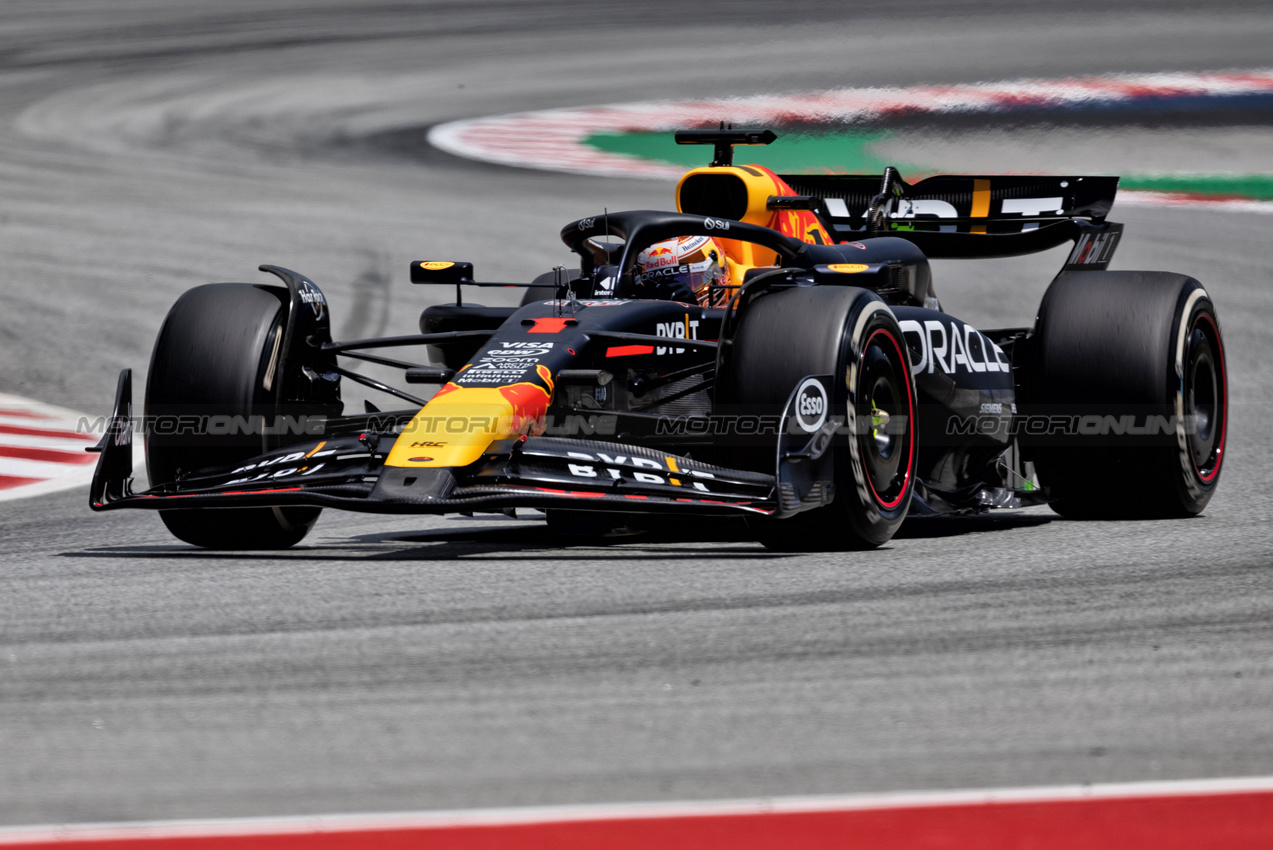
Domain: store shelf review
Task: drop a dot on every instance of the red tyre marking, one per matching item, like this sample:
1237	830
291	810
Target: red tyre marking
1224	405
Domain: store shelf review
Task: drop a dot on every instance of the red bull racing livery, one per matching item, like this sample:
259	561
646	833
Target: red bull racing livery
807	378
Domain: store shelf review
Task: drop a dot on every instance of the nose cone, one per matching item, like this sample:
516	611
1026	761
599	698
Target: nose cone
459	423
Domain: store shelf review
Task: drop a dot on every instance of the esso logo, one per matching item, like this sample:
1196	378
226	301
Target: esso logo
811	405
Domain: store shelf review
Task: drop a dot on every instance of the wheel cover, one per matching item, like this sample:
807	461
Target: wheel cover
888	446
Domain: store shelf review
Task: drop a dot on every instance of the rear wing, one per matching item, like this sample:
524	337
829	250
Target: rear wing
945	216
970	216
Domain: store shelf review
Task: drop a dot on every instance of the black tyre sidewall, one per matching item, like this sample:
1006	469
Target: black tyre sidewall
1114	342
785	336
211	359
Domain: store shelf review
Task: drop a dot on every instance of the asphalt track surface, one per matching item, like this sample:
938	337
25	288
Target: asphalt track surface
404	664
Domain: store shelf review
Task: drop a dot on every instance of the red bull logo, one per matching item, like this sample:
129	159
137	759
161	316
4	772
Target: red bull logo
657	257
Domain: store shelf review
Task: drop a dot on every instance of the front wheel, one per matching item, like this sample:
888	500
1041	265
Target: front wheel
850	334
217	359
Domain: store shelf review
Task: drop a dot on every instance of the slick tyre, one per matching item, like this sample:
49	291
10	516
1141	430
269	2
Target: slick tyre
850	334
216	361
1135	362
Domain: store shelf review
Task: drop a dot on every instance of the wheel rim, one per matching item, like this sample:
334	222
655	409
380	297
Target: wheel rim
1205	397
882	403
885	401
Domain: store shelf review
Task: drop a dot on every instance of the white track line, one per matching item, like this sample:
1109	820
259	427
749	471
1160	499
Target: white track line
626	811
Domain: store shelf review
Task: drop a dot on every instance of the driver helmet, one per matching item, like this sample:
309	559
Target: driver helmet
684	267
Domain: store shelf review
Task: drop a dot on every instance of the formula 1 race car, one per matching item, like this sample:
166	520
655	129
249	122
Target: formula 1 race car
820	391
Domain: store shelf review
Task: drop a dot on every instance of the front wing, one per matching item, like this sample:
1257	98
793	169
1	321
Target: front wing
348	472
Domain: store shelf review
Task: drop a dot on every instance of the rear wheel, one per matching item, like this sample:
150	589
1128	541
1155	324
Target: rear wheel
216	361
1135	361
850	334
